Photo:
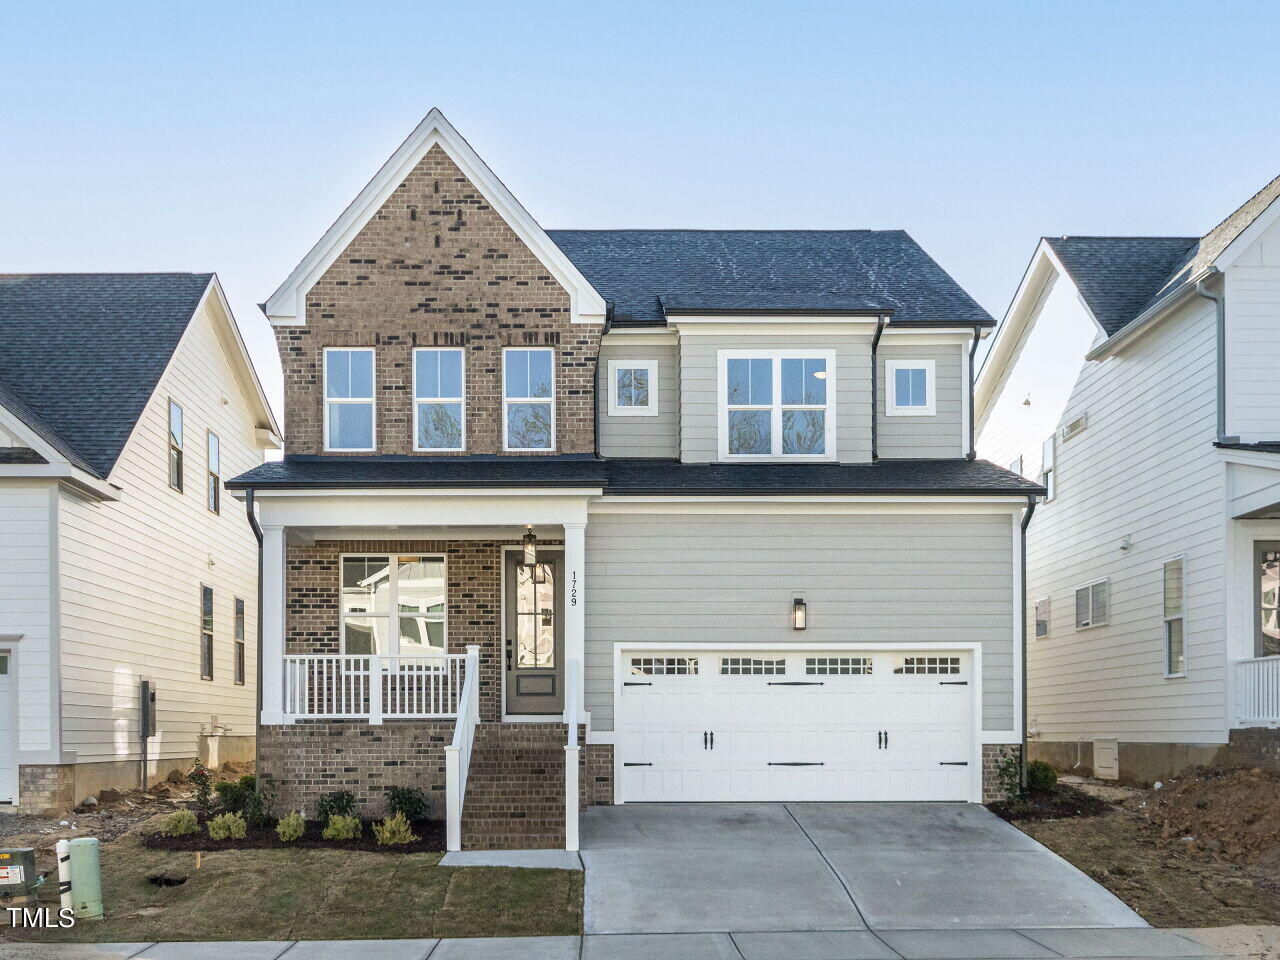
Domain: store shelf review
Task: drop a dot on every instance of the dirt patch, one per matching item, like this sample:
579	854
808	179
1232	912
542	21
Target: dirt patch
1232	815
430	833
1061	802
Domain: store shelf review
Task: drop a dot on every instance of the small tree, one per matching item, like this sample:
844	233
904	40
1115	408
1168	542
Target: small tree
202	777
1009	780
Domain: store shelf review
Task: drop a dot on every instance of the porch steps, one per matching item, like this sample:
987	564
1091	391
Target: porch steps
515	788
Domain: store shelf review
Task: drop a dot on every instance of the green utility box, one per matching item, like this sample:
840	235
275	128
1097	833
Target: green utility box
18	879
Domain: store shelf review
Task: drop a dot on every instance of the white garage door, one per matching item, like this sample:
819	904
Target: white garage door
795	725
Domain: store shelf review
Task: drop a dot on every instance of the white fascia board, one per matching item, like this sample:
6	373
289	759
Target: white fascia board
57	468
287	306
242	363
809	505
356	510
928	336
639	337
490	493
719	326
1248	235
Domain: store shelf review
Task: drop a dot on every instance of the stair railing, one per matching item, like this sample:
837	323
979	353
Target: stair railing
457	756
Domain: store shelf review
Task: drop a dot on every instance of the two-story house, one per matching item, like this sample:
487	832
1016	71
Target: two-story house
1136	378
614	516
126	576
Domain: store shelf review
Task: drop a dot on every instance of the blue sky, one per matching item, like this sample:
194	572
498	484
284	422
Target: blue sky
228	136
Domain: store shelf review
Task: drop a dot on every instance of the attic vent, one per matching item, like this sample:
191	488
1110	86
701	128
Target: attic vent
1075	426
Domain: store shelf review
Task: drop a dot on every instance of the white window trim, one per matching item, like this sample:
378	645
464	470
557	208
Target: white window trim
651	368
419	401
180	446
1090	585
507	400
393	638
722	406
1164	620
372	400
1048	620
891	368
210	437
1049	468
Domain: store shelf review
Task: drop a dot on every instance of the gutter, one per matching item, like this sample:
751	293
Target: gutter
1138	324
595	422
257	713
1220	318
875	376
1026	521
973	350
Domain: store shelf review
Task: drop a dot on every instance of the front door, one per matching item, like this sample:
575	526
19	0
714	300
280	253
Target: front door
534	630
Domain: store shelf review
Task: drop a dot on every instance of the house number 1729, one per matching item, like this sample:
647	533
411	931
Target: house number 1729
573	589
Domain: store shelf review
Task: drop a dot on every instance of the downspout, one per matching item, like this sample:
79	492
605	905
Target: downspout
875	390
973	350
257	714
1026	520
1220	311
595	423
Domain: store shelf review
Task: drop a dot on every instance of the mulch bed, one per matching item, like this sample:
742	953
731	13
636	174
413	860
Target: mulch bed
431	839
1062	802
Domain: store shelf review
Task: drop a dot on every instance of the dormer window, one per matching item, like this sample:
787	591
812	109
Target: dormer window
438	400
528	399
910	388
348	399
775	404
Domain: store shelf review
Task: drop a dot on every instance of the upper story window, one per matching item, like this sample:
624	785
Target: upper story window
206	632
214	482
439	407
1093	604
348	399
175	446
633	388
528	399
1175	594
238	659
776	404
910	388
393	605
1048	478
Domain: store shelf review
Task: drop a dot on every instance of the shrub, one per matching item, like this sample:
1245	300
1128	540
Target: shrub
202	777
227	826
342	827
1009	780
409	801
1041	778
291	827
232	795
394	829
339	803
180	823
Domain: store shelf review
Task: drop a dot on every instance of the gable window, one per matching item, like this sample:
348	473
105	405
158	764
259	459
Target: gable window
239	642
1042	618
1047	475
1093	604
393	605
1175	599
214	482
633	390
910	388
1266	557
776	404
438	400
528	399
206	633
175	446
348	399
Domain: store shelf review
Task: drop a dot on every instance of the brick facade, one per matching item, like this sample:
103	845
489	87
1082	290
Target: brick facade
595	774
991	752
437	266
46	788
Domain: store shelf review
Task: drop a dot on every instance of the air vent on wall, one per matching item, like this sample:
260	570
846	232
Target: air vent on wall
1075	426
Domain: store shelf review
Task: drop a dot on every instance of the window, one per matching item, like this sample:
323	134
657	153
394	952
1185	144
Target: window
214	483
1046	468
910	388
393	605
206	633
1093	604
1267	594
633	388
664	666
1042	618
528	399
1016	467
775	404
927	666
439	410
748	666
175	446
348	399
833	666
239	642
1175	592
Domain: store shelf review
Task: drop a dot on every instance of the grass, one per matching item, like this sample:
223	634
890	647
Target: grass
317	895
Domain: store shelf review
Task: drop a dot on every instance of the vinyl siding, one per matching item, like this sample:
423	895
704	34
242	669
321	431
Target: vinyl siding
131	573
642	436
688	578
1253	349
940	435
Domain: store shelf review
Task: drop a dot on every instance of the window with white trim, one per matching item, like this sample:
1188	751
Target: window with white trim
910	388
213	483
528	399
927	666
175	446
348	399
664	666
633	388
837	666
206	632
393	605
1047	476
439	399
238	636
1174	591
751	666
777	404
1042	618
1093	604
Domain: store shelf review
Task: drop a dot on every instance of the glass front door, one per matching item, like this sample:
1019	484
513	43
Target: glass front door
535	633
1266	572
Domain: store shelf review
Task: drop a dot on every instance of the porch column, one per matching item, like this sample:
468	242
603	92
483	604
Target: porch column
272	652
575	624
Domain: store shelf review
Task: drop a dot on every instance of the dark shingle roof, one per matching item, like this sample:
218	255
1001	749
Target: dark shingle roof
643	476
1118	276
81	353
789	270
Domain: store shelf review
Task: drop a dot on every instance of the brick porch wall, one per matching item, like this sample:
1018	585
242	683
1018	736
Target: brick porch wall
595	774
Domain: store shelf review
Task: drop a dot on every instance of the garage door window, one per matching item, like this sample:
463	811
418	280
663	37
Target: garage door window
837	666
664	666
748	666
927	665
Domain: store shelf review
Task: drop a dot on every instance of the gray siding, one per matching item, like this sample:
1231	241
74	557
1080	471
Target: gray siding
641	436
893	578
925	437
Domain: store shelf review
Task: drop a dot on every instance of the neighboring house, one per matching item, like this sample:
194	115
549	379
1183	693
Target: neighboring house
1136	377
125	401
675	515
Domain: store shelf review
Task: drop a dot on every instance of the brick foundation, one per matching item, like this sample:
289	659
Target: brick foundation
991	752
595	774
46	788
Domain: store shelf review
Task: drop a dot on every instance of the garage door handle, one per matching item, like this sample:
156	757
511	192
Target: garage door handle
795	683
637	764
637	683
953	763
795	763
879	739
704	739
953	683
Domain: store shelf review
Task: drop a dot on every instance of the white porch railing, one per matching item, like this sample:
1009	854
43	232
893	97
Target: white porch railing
457	756
373	687
1258	691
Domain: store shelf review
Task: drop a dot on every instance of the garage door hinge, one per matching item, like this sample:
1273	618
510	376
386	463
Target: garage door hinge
795	683
637	764
953	683
953	763
637	683
794	763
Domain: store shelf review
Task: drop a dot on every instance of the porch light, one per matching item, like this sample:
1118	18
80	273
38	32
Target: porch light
799	614
530	548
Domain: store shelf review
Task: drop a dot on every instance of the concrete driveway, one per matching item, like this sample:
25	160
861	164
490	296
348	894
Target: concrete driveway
749	867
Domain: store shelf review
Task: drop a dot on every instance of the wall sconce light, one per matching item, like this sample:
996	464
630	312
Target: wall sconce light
530	548
799	614
1126	544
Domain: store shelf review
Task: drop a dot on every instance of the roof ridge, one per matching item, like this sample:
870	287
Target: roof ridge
1257	193
726	230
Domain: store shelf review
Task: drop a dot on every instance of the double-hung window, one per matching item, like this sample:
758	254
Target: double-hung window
175	446
1266	559
393	605
528	399
777	404
348	399
239	642
1093	604
439	408
213	484
1175	600
206	633
1048	478
910	386
633	390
